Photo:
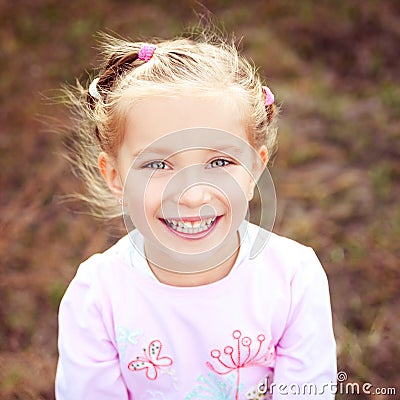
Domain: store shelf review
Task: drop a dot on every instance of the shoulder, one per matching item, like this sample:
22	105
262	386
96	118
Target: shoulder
117	254
101	270
285	256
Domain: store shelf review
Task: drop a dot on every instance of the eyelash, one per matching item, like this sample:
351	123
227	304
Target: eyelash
157	163
224	160
152	164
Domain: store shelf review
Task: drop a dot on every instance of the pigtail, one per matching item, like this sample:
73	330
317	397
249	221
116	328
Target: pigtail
271	111
116	66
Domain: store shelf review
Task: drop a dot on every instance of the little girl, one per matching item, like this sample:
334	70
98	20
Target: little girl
181	308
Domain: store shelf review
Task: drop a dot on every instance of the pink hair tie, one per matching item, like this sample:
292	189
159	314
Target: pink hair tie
146	52
269	97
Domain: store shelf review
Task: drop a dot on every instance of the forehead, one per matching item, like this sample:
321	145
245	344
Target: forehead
154	119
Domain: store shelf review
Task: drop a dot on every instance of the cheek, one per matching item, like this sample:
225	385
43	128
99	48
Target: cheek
152	198
143	196
238	204
245	181
241	185
235	189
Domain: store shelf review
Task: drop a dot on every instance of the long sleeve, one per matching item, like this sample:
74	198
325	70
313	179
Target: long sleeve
306	352
88	366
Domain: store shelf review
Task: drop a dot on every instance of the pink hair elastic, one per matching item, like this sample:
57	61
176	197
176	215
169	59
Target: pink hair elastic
146	52
269	97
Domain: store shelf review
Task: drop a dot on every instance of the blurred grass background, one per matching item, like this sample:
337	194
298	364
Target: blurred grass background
334	66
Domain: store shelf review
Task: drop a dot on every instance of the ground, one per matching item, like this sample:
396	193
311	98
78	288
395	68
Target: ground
334	68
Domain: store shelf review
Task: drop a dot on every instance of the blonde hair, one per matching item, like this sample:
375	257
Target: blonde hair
206	64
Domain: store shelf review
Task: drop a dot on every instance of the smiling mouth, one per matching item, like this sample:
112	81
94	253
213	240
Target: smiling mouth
187	227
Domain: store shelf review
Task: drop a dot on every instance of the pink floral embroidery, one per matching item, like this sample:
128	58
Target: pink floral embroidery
244	357
151	361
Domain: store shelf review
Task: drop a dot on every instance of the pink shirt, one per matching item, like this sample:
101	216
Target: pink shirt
124	335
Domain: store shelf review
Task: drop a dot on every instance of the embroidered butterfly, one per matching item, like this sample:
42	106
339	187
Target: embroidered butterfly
151	361
125	338
125	335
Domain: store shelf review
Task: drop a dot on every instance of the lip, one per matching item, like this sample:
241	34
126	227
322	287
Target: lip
192	236
191	219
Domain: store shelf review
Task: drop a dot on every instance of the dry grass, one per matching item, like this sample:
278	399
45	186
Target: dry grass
334	67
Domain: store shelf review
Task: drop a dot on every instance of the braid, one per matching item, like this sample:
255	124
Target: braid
116	66
271	112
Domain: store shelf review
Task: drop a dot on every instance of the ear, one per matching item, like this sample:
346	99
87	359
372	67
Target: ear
263	153
109	171
260	166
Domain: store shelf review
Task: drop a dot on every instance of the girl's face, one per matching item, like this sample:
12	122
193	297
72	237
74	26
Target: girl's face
186	172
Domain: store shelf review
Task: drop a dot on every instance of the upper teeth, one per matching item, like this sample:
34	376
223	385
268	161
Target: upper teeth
190	227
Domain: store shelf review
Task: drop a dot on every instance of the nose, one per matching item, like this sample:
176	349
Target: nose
190	187
195	196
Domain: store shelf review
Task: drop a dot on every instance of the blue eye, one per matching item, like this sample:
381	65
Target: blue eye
156	165
219	163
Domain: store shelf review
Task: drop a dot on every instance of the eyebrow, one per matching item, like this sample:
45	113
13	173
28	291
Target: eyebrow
230	149
146	152
168	152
